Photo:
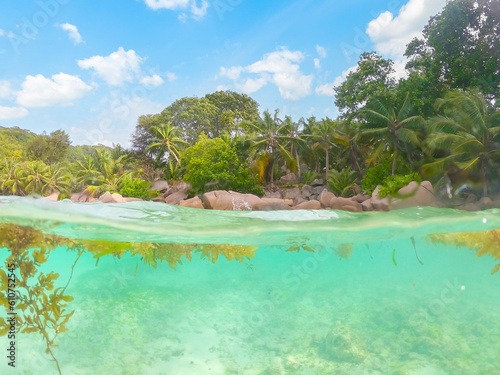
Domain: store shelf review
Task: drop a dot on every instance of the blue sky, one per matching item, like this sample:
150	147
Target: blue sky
91	68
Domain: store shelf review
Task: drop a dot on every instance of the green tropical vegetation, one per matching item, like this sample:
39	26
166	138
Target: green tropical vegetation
443	113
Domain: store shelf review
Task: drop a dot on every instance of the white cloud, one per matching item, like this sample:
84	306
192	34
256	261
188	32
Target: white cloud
167	4
62	89
325	90
72	32
12	112
321	51
197	12
251	85
317	63
280	67
119	67
2	33
171	77
391	34
154	80
5	90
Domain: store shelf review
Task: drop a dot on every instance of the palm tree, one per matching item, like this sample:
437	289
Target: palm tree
295	139
167	140
325	135
271	139
470	129
36	174
56	179
393	129
13	179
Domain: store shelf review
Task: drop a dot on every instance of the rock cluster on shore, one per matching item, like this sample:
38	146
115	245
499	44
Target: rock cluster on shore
308	197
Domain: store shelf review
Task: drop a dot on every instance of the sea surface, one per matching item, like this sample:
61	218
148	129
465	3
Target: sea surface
167	290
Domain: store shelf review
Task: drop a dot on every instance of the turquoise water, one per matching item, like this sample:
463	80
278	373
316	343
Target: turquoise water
376	296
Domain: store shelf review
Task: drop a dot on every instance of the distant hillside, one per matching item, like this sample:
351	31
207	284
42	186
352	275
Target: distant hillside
13	141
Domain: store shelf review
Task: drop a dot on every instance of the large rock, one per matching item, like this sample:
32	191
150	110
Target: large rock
307	191
317	182
80	197
417	195
193	203
379	203
292	193
183	187
325	197
158	200
308	205
52	197
360	198
271	204
367	205
106	198
273	194
160	185
131	199
176	198
299	200
317	190
229	200
345	204
288	179
117	198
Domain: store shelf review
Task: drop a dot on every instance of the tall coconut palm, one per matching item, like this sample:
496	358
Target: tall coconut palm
392	128
56	179
325	135
469	128
167	140
295	139
270	137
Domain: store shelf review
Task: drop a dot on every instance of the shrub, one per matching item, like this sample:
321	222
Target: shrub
342	182
376	175
309	176
212	164
136	188
392	184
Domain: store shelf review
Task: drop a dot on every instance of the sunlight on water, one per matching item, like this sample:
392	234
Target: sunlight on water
316	292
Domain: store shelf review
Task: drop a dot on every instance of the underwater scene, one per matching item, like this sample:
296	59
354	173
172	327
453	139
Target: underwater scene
142	288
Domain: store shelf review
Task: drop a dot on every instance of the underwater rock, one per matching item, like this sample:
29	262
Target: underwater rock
485	203
193	203
308	205
341	344
176	198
